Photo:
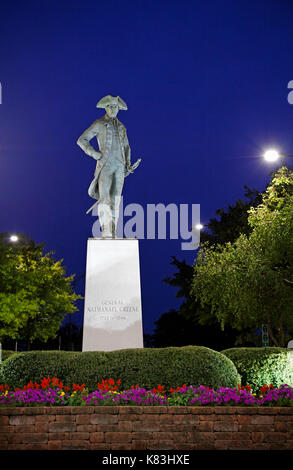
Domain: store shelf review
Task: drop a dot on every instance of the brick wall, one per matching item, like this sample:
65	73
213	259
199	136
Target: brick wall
140	428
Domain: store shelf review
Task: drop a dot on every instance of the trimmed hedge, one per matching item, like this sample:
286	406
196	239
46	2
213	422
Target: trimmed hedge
146	367
259	366
6	353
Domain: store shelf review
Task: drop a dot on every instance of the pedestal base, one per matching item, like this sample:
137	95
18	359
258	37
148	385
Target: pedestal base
112	309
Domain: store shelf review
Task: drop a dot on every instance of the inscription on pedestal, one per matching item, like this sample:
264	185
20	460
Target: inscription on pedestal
112	315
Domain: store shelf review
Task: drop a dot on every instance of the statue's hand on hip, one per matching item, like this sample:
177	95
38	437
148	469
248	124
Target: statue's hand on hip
95	154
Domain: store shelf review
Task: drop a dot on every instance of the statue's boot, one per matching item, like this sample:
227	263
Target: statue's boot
115	215
114	228
107	232
105	218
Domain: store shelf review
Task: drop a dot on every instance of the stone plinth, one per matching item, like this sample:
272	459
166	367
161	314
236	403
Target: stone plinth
112	310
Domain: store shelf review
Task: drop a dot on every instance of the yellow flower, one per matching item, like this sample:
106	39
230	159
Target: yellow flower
61	394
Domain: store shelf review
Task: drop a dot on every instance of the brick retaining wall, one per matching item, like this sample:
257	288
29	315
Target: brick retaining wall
140	428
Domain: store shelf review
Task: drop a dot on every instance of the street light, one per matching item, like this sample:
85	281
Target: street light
14	238
199	226
272	155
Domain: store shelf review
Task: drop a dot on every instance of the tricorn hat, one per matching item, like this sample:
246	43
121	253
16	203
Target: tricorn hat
109	99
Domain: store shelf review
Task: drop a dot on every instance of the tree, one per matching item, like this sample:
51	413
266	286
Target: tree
194	322
174	329
229	224
183	280
244	282
35	294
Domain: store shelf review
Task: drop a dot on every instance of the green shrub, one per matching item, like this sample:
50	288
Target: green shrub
1	375
260	366
170	367
6	353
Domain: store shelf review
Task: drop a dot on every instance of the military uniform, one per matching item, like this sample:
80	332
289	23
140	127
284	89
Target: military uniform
111	168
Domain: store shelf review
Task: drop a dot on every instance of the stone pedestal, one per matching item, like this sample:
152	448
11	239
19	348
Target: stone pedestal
112	309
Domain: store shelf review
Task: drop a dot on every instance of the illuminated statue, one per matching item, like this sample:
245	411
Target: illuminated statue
113	162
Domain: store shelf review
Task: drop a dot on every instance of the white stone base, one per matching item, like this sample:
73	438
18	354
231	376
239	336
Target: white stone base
112	308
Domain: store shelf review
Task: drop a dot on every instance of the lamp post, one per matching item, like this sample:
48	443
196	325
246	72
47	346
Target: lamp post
14	239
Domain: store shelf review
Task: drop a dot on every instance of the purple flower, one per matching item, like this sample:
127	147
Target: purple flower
191	395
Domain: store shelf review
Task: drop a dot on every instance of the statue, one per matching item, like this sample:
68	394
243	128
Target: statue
113	162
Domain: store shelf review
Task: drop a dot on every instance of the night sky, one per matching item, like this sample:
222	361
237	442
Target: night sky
206	88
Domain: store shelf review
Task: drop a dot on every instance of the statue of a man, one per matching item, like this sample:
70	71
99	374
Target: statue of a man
113	162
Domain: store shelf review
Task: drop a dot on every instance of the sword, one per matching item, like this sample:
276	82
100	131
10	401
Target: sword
129	170
133	167
92	207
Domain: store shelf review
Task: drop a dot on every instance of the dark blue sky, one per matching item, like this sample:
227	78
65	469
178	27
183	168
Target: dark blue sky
206	87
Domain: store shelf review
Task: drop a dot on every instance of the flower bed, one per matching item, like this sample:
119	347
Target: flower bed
51	416
52	392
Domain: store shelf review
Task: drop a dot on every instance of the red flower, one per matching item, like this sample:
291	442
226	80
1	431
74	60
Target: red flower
45	382
78	388
159	390
108	385
266	388
172	390
247	387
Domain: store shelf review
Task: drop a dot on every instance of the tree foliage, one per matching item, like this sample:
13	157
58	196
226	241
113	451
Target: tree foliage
229	224
192	322
174	329
35	294
247	283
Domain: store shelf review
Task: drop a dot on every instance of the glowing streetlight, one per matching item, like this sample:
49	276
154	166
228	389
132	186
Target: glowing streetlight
272	155
199	226
14	238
